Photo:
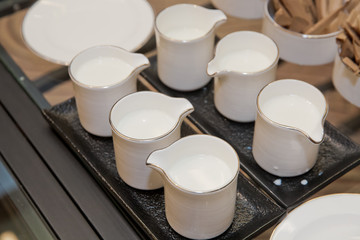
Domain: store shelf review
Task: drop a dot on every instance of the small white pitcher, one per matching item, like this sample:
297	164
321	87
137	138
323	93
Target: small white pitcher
200	179
289	127
185	42
102	75
244	63
141	123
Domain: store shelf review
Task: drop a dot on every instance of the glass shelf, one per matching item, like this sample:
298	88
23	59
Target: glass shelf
18	217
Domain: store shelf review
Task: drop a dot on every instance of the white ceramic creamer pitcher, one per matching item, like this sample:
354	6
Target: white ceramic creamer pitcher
289	127
143	122
102	75
200	180
185	43
244	63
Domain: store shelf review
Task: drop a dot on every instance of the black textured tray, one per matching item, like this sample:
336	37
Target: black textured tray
337	154
255	212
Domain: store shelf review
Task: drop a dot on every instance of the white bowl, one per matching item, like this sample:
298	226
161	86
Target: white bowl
248	9
302	49
346	82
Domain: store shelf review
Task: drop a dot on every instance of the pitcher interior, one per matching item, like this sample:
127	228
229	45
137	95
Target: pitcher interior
184	22
246	51
294	104
198	163
145	115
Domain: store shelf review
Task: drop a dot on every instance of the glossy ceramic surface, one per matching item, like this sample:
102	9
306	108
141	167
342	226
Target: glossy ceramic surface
282	149
330	217
346	82
236	87
131	152
58	30
249	9
94	102
184	54
299	48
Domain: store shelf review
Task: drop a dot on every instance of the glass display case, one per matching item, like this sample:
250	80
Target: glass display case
59	182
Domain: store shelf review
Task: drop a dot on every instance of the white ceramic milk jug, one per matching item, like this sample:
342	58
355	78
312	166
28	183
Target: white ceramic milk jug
143	122
185	43
200	180
244	63
289	127
102	75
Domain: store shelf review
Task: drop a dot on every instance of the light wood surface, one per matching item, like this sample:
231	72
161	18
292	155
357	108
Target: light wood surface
341	112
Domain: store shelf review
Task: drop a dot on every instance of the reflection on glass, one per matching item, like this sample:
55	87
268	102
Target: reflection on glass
18	217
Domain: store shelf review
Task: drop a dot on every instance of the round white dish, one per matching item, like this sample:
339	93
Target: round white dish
58	30
335	216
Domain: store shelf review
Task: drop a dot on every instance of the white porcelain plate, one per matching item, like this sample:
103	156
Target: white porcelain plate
330	217
58	30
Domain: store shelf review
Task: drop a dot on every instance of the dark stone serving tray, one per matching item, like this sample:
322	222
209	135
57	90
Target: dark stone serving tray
255	211
337	154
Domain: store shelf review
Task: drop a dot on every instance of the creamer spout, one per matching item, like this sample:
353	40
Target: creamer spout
212	68
218	17
157	161
317	136
139	62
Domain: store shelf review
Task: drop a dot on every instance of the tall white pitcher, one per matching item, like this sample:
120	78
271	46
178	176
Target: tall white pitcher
185	43
143	122
289	127
245	61
101	75
200	179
